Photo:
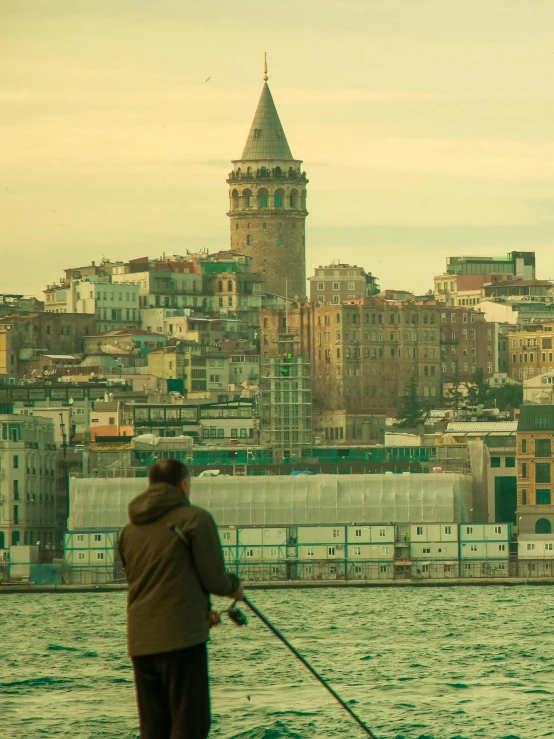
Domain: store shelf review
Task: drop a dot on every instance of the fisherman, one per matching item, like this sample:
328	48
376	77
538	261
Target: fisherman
168	603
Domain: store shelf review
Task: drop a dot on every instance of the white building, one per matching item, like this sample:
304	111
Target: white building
539	389
114	305
27	481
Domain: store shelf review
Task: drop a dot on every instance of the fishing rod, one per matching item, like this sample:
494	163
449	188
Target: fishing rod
240	619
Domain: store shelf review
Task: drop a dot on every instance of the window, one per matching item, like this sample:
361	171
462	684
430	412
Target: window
425	568
498	529
226	536
524	470
501	547
336	533
473	547
249	240
15	461
357	551
97	537
448	529
426	550
419	531
331	551
384	550
358	532
543	448
274	552
530	547
548	545
542	472
16	489
281	240
382	532
495	461
80	537
543	497
99	555
215	379
81	555
310	552
469	529
524	497
249	553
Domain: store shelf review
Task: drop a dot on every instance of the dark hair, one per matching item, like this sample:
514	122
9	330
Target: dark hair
169	471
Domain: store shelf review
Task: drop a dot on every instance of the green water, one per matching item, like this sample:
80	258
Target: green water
415	663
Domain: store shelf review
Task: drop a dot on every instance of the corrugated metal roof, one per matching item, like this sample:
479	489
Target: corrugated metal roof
483	427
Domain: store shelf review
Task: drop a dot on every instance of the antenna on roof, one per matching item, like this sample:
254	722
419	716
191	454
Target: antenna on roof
265	66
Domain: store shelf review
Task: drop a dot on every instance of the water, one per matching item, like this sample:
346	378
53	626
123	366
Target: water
430	663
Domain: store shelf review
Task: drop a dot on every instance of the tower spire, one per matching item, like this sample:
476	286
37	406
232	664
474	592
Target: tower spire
265	66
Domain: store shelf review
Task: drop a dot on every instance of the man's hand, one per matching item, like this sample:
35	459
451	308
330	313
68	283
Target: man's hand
214	619
239	595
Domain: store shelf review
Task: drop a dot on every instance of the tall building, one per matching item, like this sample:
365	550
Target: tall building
267	210
535	434
27	481
336	283
531	351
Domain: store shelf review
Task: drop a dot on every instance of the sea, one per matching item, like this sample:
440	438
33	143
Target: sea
412	662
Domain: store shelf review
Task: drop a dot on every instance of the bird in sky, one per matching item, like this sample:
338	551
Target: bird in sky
209	78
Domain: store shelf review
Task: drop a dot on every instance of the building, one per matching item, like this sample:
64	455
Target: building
519	290
132	341
113	306
468	343
189	368
535	434
531	351
465	277
111	418
12	304
339	282
267	203
539	389
340	427
27	482
26	337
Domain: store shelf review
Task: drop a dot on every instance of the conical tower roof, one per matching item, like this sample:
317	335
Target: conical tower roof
266	139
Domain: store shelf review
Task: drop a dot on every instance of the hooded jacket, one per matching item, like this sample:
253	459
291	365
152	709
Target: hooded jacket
170	582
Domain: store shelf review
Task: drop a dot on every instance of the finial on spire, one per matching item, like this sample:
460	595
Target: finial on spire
265	66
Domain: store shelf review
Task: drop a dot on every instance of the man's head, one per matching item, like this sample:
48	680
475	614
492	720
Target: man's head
171	472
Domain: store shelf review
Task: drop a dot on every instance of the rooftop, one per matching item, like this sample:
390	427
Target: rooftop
266	139
536	418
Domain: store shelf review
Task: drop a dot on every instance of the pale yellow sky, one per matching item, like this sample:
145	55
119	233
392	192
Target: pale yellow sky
425	127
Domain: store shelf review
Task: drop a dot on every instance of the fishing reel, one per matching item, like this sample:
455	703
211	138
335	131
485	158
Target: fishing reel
236	615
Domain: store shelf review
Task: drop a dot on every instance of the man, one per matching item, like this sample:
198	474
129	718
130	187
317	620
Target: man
168	603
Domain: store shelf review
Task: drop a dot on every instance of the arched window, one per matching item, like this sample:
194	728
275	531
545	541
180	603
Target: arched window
15	538
281	240
220	286
249	170
229	286
293	199
247	199
263	197
234	199
543	526
279	198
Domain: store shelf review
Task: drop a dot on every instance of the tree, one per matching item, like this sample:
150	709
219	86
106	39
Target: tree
478	390
412	411
454	396
509	395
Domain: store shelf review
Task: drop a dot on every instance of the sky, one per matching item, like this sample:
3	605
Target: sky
425	127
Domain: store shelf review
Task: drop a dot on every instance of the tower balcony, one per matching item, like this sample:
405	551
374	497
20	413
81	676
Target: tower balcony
264	174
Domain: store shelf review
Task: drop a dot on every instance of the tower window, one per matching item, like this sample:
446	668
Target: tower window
265	225
250	201
281	240
249	240
263	201
278	201
257	133
237	226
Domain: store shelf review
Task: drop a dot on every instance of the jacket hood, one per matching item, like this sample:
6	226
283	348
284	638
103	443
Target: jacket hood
155	502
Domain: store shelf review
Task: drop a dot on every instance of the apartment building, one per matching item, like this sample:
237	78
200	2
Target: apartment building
27	482
338	282
535	435
531	351
191	368
468	343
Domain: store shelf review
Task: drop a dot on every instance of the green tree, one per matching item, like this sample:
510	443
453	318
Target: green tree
509	395
455	396
412	411
478	390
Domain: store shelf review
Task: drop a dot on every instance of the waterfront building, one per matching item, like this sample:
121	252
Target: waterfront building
267	203
535	436
27	482
338	282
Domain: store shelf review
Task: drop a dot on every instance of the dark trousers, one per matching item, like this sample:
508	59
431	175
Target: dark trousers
173	694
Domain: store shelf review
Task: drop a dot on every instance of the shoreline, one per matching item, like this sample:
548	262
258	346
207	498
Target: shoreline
299	585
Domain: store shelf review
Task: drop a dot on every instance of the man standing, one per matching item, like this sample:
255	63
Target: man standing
168	603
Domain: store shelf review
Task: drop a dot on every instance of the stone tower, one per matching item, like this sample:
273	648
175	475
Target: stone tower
267	194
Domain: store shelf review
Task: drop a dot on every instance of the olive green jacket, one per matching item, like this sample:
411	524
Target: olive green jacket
170	582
